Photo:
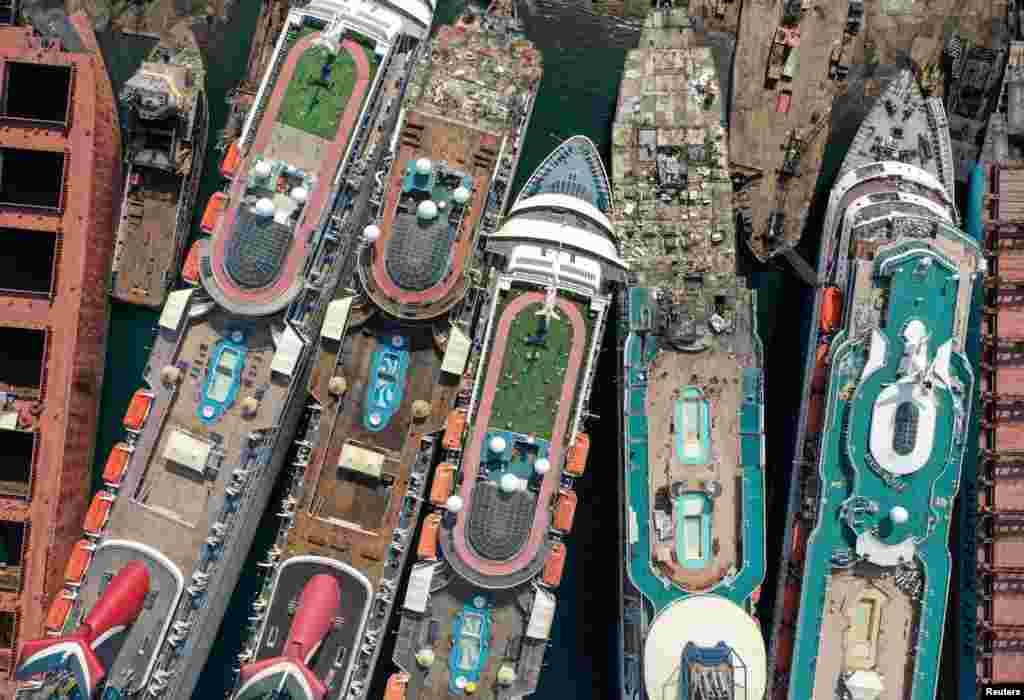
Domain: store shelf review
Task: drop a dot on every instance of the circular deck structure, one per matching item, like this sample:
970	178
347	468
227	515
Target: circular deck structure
704	620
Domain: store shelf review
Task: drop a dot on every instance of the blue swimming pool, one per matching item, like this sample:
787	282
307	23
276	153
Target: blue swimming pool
387	382
693	427
224	378
471	646
693	529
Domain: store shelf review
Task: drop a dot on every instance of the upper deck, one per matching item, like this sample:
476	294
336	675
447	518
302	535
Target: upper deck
254	263
464	105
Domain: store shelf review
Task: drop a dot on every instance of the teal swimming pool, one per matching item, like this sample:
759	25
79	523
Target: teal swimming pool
225	377
387	382
693	529
693	427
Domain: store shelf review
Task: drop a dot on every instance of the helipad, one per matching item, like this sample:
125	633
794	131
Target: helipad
704	620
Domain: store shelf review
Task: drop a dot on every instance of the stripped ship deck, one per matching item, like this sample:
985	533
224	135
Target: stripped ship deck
693	402
863	595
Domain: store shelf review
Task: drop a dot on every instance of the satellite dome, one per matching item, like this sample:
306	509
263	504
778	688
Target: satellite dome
371	233
899	515
506	675
498	444
262	169
509	483
264	208
542	466
453	504
460	195
424	166
425	657
299	194
427	210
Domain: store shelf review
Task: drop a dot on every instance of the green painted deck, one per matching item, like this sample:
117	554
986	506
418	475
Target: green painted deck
314	105
640	351
532	373
846	473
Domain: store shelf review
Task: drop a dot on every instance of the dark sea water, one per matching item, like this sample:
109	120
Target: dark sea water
583	63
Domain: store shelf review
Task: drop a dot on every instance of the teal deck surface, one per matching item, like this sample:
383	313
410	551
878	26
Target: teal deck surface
848	475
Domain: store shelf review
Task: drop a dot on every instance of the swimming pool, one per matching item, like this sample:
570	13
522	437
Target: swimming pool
225	378
470	650
693	427
387	382
693	529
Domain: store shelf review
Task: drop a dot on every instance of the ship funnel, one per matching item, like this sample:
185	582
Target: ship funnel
118	607
289	674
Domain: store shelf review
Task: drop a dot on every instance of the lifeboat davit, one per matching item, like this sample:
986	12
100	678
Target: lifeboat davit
820	380
554	565
831	309
427	548
138	410
444	479
190	270
577	462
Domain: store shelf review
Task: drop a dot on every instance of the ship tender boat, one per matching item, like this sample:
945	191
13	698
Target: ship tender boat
480	603
389	366
885	420
166	120
692	464
226	383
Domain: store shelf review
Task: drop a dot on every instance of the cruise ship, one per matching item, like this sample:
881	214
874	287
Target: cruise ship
388	366
692	466
166	119
480	603
163	542
60	180
889	391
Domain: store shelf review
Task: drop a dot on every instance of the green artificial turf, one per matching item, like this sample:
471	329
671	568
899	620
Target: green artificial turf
313	105
530	387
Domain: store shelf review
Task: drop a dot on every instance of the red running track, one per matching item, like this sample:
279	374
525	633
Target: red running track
311	216
471	460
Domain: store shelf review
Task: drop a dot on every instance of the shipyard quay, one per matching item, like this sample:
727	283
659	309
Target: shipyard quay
224	386
887	404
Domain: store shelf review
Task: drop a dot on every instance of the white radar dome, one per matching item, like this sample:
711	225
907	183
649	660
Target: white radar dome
542	466
371	233
299	194
426	210
264	207
498	444
460	195
899	515
262	169
453	504
425	657
423	166
509	483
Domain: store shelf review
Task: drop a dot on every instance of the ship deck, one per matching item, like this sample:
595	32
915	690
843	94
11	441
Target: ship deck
300	139
838	630
144	256
170	505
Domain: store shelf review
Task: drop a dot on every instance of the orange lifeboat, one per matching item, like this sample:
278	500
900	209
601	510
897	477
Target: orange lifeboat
565	510
395	689
138	410
820	380
190	270
790	602
815	413
831	309
232	159
117	465
427	548
58	614
81	555
554	565
799	542
577	462
99	511
441	489
452	439
213	213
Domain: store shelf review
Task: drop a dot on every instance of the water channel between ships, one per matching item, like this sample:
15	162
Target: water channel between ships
577	96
